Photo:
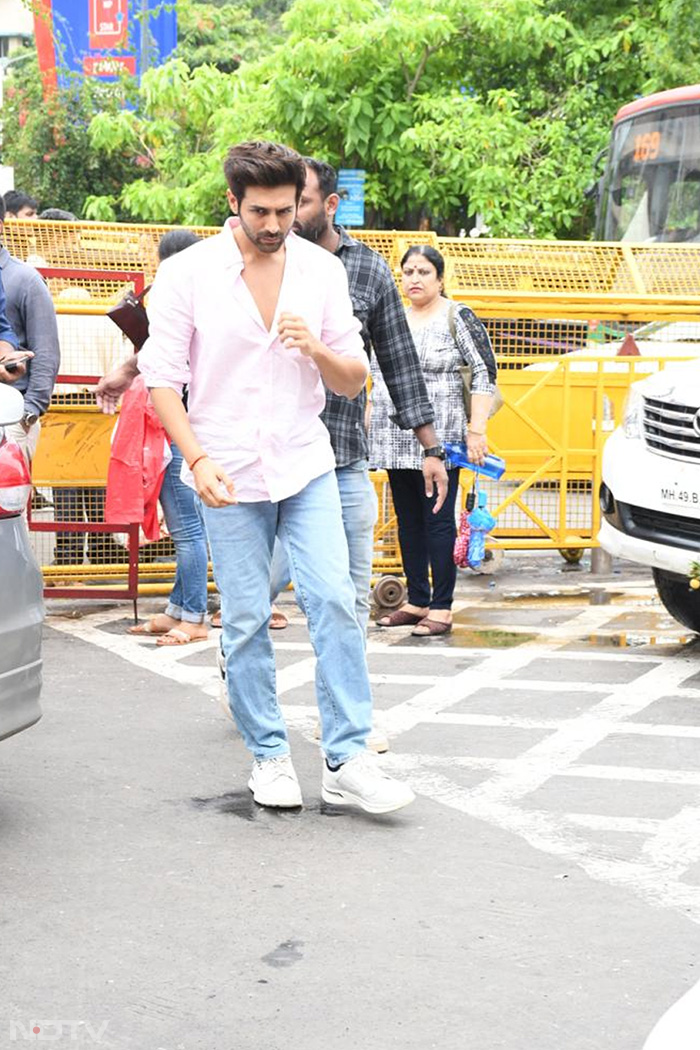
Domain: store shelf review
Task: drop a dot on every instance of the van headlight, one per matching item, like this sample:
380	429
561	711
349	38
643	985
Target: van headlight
632	415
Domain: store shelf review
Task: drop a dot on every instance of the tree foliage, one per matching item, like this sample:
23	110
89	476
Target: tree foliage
454	107
220	35
49	144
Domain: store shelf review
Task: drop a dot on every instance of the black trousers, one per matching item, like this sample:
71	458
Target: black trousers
427	540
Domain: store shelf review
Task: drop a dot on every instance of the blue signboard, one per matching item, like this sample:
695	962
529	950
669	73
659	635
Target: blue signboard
103	38
351	190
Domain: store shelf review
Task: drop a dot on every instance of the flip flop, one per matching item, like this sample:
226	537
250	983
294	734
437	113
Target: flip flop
148	628
400	618
278	621
177	637
216	618
434	627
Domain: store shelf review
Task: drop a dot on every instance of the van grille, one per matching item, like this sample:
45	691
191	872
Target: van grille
669	429
673	529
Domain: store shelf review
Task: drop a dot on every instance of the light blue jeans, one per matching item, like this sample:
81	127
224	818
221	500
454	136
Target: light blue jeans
359	505
241	538
188	598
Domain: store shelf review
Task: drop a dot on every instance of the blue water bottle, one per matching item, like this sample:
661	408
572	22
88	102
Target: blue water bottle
456	454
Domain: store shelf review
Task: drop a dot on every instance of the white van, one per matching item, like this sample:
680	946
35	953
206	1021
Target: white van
650	491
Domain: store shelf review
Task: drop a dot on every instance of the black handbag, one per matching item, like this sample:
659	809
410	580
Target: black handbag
130	316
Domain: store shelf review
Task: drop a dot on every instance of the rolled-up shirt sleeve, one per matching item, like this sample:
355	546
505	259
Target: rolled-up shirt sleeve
398	361
340	330
7	334
164	359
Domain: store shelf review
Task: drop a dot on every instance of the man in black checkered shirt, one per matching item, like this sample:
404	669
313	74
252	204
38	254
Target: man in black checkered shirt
377	304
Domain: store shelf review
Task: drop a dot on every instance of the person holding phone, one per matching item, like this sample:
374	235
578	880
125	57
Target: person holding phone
30	313
8	345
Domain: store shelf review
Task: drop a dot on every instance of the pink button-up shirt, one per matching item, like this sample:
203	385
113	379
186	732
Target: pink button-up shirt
253	404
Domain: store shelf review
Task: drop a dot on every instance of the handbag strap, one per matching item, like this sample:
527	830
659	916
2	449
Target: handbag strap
451	322
141	296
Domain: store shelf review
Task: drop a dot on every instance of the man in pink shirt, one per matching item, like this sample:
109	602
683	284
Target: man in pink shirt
255	321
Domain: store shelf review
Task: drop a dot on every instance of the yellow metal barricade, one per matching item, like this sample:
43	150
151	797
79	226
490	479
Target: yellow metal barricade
557	313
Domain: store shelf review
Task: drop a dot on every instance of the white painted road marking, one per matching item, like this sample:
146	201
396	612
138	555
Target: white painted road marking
657	853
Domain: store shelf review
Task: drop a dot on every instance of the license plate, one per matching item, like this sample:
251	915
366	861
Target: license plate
675	495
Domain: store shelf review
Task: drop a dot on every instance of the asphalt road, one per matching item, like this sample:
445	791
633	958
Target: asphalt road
543	893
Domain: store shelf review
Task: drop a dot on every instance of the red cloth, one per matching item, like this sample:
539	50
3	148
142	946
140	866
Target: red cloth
136	463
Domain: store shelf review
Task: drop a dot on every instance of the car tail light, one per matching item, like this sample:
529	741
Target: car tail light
15	480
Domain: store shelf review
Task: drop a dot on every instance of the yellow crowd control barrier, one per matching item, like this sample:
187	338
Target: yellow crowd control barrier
557	314
134	247
611	274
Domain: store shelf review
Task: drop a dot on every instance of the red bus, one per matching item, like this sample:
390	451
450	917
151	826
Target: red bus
651	187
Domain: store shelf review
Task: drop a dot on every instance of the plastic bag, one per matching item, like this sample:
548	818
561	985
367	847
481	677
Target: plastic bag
481	521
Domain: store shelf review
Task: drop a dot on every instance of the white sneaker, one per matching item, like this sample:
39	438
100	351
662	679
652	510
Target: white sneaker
361	782
376	740
274	783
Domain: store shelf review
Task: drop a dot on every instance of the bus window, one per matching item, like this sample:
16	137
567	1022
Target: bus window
651	187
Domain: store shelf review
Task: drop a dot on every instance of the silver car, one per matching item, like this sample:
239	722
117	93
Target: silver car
21	603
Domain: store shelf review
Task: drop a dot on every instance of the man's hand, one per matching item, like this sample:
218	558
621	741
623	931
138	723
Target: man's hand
435	477
111	387
214	486
16	359
477	447
294	334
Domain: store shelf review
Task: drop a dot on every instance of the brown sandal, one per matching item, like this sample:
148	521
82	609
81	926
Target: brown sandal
400	618
434	627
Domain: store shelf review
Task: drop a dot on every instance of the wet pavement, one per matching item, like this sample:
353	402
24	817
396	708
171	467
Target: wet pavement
544	890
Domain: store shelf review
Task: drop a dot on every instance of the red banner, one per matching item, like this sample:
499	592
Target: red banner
108	65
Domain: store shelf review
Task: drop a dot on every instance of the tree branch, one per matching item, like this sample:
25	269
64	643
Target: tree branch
413	84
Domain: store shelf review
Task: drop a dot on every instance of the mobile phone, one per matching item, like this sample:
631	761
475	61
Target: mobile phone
13	365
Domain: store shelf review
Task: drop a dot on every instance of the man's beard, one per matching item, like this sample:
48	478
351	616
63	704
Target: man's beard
313	229
263	243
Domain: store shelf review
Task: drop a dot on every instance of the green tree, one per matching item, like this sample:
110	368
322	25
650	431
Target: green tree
454	107
49	144
219	34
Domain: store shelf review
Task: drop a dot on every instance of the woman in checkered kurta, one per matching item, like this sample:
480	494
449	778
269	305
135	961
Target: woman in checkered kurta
427	539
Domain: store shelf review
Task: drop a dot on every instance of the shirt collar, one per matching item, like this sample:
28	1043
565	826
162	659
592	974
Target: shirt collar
231	254
4	257
346	241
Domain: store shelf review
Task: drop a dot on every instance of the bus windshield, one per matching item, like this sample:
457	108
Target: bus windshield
651	187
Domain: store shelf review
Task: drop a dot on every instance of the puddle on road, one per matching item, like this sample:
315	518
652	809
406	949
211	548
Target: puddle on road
241	804
592	595
487	639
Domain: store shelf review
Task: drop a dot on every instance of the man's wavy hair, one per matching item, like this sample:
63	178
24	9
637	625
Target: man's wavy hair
267	164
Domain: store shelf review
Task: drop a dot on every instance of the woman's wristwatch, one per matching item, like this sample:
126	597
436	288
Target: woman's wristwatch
437	450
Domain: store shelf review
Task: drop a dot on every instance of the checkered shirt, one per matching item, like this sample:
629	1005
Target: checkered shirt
377	305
